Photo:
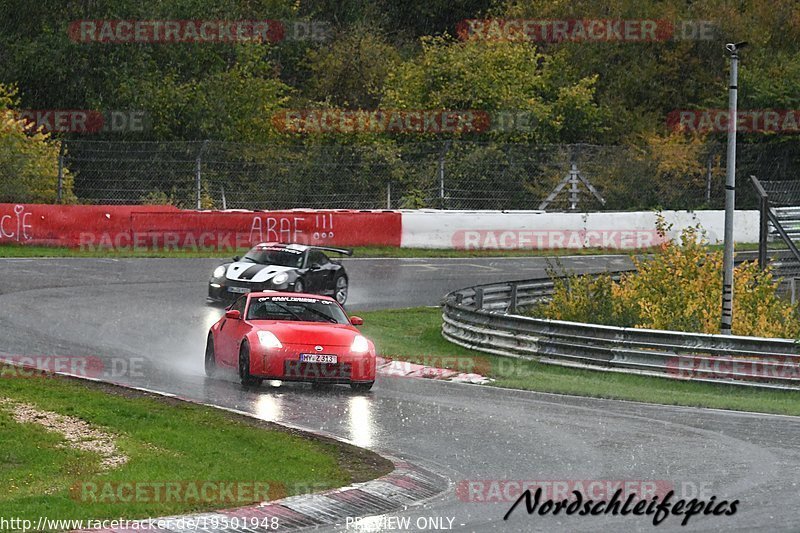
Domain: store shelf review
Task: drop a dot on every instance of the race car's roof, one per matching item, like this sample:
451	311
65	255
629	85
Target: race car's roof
300	247
282	246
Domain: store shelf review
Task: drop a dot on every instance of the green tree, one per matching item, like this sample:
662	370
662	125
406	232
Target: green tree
350	72
499	77
28	160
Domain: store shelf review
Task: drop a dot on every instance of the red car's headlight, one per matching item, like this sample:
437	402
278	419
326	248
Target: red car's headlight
360	345
269	340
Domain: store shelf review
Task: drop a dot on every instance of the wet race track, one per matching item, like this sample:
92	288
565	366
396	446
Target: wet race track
148	316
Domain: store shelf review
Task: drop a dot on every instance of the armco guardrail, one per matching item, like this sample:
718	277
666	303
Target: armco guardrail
483	318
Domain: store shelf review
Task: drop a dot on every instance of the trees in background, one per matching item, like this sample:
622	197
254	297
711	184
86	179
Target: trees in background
28	159
409	56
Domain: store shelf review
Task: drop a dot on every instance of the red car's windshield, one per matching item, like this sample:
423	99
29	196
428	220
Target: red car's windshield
296	308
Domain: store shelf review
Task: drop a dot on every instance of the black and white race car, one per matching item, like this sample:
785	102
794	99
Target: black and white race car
281	267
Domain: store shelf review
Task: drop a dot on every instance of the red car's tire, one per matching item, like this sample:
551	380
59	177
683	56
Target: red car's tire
210	358
244	366
362	387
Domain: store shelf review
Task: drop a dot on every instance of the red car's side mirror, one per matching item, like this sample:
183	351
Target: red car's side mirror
233	314
356	320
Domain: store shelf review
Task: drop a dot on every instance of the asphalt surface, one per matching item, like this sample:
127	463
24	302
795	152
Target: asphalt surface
148	319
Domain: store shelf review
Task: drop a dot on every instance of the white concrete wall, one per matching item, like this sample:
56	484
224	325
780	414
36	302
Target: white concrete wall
540	230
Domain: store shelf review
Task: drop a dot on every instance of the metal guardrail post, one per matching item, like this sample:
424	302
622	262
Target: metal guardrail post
512	302
478	297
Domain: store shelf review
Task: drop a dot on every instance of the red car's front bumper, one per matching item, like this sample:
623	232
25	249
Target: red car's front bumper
284	364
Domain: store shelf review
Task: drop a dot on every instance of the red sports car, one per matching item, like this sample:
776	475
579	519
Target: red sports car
291	337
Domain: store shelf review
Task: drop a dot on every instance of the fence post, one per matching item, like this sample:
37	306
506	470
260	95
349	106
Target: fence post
573	187
197	183
60	190
388	194
763	232
763	221
441	174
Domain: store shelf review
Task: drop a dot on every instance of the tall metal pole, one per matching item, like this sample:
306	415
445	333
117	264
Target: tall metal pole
730	193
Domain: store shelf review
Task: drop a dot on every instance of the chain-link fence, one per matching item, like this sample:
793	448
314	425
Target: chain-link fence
441	174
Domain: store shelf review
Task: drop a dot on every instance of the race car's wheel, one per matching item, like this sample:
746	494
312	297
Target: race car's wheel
298	286
211	361
244	366
362	387
340	289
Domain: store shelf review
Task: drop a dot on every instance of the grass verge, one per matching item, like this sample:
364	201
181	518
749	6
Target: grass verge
415	335
166	441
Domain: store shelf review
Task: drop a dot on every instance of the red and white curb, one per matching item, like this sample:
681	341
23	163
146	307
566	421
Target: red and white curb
405	369
406	485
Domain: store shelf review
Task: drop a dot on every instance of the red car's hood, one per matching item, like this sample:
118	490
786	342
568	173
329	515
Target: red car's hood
322	333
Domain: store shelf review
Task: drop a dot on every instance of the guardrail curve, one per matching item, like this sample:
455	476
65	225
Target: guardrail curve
484	318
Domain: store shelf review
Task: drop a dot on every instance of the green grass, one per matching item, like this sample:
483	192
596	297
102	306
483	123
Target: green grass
17	250
166	441
415	335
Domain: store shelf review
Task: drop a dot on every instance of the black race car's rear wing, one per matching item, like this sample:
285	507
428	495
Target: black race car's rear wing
343	251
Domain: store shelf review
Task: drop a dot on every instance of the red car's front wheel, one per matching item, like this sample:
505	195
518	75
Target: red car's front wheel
210	360
244	366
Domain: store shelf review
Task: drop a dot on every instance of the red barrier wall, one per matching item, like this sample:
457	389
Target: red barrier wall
155	227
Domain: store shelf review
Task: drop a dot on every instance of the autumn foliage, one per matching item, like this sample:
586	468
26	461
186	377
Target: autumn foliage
678	289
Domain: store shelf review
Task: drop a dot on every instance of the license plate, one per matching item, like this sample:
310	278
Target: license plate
318	358
239	290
